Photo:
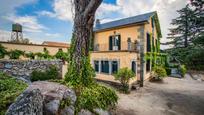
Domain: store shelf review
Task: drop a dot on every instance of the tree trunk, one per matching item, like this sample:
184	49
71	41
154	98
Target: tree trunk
83	27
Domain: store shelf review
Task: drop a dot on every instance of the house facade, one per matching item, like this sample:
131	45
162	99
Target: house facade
118	44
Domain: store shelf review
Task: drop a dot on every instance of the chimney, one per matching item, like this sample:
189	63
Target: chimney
97	23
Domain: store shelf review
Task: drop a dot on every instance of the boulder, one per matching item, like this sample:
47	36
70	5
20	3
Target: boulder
85	112
67	110
53	94
48	98
102	112
29	102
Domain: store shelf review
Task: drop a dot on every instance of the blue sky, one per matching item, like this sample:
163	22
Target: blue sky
51	20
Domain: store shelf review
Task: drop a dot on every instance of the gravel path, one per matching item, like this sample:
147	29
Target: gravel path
173	97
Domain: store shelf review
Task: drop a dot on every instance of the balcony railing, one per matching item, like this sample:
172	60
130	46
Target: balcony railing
124	46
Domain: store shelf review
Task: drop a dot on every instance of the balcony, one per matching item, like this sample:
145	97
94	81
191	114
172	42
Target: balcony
125	46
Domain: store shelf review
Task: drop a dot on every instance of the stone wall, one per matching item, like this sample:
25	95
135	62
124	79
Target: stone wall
23	68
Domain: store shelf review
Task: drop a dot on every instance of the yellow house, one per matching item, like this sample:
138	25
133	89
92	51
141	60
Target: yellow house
119	43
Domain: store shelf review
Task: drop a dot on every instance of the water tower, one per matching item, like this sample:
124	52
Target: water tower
16	34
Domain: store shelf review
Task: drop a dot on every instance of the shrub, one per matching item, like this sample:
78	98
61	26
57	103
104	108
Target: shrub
3	51
168	71
10	88
51	73
96	96
124	75
15	54
158	73
30	55
61	55
182	70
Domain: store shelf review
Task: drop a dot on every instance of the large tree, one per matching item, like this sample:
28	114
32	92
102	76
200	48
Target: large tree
188	35
80	71
181	34
198	22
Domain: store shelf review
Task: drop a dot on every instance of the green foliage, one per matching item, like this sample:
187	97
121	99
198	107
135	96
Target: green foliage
15	54
3	51
182	70
83	78
189	27
61	55
96	96
168	71
30	55
65	103
44	55
10	88
51	73
124	75
158	73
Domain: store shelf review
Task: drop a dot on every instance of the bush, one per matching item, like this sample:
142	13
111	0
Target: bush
158	73
51	73
3	51
61	55
30	55
10	88
168	71
124	75
15	54
96	96
182	70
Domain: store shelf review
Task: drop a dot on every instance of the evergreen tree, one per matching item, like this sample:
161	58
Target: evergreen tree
181	34
198	22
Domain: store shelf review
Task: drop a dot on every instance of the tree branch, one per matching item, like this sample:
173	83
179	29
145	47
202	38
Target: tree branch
92	6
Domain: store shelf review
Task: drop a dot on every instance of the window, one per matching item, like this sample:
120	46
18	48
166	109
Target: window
152	21
134	66
114	66
105	66
153	43
148	43
148	66
96	66
114	42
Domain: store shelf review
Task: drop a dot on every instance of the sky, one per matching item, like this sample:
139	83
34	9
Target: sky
52	20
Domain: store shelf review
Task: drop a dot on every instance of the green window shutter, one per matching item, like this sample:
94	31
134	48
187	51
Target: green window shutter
110	43
119	42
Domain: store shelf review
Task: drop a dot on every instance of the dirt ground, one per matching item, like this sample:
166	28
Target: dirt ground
172	97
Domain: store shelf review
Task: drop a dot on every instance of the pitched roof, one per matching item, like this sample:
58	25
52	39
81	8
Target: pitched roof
57	44
125	21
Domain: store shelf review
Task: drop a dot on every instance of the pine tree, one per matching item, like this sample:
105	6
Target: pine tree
181	34
198	22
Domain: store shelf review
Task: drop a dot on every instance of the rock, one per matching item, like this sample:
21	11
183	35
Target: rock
51	108
67	111
53	94
102	112
29	102
85	112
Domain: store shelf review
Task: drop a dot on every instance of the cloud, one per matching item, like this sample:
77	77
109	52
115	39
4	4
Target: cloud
8	6
55	35
29	23
106	9
47	13
63	10
5	35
